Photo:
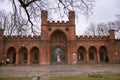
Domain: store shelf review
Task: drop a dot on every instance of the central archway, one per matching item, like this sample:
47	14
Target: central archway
58	47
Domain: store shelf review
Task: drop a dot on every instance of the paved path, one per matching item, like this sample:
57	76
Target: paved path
39	72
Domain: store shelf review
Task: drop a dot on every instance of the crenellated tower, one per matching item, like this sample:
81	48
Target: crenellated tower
72	17
47	27
58	34
44	16
44	22
72	25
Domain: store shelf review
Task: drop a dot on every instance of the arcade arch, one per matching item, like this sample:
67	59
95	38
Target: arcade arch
34	55
92	54
81	53
11	55
23	52
103	54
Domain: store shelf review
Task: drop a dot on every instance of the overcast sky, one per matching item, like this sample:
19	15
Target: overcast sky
104	11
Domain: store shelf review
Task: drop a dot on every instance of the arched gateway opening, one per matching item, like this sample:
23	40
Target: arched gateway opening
58	47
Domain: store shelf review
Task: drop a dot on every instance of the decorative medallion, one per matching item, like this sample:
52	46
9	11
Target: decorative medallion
67	29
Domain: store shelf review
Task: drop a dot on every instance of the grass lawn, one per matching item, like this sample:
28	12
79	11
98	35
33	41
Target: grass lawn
85	77
14	78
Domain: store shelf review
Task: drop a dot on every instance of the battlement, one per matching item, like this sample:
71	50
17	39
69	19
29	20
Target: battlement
58	23
44	21
92	37
21	38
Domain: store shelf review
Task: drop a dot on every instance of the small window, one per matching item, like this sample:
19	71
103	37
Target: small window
67	29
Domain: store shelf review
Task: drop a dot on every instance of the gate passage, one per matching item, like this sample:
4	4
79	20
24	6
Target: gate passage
57	56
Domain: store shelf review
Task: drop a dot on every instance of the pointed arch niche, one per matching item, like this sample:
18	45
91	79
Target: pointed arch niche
58	36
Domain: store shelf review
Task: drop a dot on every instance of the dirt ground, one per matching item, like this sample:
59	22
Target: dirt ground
57	70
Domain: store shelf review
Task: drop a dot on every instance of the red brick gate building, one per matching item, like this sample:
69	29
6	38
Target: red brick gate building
58	43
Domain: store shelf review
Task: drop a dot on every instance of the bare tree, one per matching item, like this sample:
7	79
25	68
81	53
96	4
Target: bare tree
5	24
11	25
91	30
116	26
103	28
29	10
